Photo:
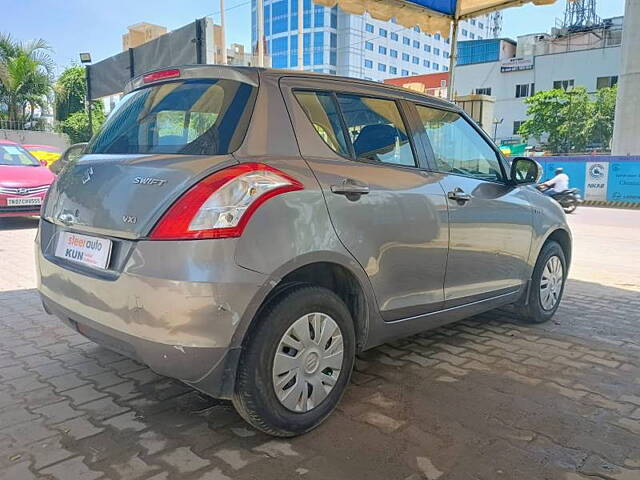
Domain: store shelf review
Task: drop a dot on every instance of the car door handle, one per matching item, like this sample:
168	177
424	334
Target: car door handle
458	195
350	187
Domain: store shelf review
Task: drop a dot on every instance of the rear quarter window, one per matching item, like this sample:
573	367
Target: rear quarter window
193	117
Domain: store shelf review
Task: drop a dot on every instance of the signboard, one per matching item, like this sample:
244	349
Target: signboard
516	64
596	178
624	182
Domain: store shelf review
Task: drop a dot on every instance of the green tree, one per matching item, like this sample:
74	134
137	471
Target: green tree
76	125
26	77
70	90
566	117
603	115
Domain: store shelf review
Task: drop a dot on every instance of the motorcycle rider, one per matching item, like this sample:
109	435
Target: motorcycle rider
557	184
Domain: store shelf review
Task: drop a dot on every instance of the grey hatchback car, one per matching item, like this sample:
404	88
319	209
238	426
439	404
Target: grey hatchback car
249	231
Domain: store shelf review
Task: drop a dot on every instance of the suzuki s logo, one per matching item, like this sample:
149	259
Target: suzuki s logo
86	177
129	219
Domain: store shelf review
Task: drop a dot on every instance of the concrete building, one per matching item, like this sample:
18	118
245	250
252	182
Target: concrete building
141	33
357	46
434	84
562	59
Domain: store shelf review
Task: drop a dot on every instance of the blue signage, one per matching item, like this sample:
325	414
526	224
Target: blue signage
624	182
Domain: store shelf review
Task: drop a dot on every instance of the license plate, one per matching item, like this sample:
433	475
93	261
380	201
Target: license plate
91	251
22	202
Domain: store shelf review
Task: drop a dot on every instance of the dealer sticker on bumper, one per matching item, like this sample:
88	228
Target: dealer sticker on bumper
91	251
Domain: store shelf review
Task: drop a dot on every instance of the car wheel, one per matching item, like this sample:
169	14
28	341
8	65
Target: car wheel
296	362
547	284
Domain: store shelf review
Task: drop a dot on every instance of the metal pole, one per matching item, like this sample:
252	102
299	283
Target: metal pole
260	19
300	34
222	34
89	101
453	57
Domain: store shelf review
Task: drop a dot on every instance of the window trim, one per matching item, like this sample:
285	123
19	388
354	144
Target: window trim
400	105
431	155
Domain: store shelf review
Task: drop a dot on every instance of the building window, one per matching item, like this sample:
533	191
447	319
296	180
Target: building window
427	48
606	82
416	44
473	21
481	25
334	17
480	37
516	126
472	35
368	46
416	29
436	66
393	70
333	58
465	33
483	91
405	57
405	73
334	40
426	63
318	16
524	90
445	54
394	36
382	50
368	64
393	53
436	51
437	36
382	67
447	41
563	84
369	28
382	32
445	68
406	40
416	60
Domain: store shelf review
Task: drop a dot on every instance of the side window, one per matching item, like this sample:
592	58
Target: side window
457	146
376	130
323	114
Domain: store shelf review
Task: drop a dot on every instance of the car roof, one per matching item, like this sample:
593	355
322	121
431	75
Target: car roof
239	72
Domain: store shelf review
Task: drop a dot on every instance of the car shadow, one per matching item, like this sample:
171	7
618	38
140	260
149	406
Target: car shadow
18	223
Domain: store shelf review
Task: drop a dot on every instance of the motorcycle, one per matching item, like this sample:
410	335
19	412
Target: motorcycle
568	199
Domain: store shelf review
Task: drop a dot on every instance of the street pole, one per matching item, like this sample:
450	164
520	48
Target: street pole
300	34
88	79
222	34
260	19
453	57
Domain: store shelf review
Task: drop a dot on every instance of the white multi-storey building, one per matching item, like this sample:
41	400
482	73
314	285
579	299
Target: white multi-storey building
358	46
590	58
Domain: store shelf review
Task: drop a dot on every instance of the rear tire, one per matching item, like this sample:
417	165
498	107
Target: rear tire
287	391
547	285
571	207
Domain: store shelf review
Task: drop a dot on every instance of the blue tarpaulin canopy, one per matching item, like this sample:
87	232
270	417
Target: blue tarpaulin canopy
431	16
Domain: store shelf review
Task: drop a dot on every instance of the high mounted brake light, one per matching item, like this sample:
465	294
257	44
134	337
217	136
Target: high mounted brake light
221	205
161	75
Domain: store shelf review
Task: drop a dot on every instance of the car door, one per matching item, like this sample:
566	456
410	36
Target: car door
490	221
388	211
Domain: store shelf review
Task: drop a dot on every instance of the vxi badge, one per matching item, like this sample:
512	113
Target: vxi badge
158	182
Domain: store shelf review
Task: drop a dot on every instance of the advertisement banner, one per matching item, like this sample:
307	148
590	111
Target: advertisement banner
596	178
624	182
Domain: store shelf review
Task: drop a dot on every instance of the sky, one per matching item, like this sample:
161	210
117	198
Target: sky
73	26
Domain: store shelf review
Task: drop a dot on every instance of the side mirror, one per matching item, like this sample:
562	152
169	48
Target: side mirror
69	155
525	171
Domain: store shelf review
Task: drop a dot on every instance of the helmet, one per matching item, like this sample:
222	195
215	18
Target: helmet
559	171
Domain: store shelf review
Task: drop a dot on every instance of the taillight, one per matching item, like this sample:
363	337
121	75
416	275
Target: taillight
161	75
221	205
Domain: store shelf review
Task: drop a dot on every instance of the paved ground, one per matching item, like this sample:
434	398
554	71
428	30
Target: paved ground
487	398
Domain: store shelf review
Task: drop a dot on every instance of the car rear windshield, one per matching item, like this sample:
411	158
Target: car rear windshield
16	156
194	117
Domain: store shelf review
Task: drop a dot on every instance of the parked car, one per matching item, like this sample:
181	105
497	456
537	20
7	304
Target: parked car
24	181
249	231
45	153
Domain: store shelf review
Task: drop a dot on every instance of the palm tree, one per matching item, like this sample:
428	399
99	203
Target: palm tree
26	77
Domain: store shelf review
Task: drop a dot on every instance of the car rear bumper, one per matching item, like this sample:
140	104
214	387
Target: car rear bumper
179	328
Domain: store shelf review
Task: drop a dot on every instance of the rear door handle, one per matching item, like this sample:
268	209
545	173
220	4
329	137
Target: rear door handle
350	188
458	195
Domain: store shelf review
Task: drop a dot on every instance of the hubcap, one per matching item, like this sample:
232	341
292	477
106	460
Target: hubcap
308	361
551	283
